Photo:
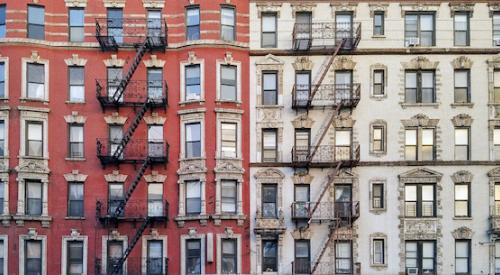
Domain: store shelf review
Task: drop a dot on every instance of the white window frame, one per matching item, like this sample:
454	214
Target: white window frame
32	236
104	255
199	117
229	116
229	235
5	61
153	237
192	60
228	60
5	239
64	257
37	115
193	235
35	58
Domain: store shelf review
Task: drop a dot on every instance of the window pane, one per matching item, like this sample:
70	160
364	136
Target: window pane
36	73
193	189
269	82
193	132
76	191
227	16
427	22
410	193
301	193
411	137
301	249
34	131
428	250
427	137
461	136
427	79
36	15
268	23
269	139
411	80
496	136
193	16
461	78
461	192
342	138
76	133
428	192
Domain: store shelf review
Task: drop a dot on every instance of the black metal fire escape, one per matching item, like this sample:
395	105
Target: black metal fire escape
144	36
333	99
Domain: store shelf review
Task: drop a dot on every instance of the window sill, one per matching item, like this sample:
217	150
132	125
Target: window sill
378	36
203	219
20	219
378	97
270	106
33	157
378	211
75	159
224	216
378	266
220	101
192	159
75	218
406	105
462	218
228	158
199	101
378	154
25	99
468	105
74	102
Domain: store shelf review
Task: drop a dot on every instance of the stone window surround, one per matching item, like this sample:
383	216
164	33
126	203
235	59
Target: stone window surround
76	3
463	63
192	116
269	63
494	177
5	60
229	116
74	236
382	181
303	7
192	60
5	239
271	176
492	125
493	64
76	119
154	236
4	116
228	60
420	121
36	59
279	132
76	61
383	124
38	115
258	241
383	236
5	217
76	176
193	234
379	66
32	235
269	7
225	173
228	234
115	236
420	63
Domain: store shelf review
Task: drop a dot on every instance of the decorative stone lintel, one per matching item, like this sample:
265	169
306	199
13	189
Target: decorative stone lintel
420	120
115	177
461	7
343	63
181	220
462	62
268	7
374	7
462	120
75	61
420	229
114	61
301	234
240	219
302	121
418	6
462	233
75	118
302	7
155	177
302	179
155	119
76	3
154	62
115	119
462	176
420	174
420	63
303	63
114	3
344	7
75	176
153	4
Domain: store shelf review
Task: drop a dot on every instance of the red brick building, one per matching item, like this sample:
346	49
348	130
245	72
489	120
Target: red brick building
123	128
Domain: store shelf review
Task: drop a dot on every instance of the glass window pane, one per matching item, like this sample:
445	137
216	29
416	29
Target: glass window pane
193	189
410	192
155	133
34	131
76	134
76	191
227	16
268	23
461	78
193	132
36	15
428	250
411	80
496	136
427	22
301	193
461	136
269	139
411	137
428	192
193	16
269	82
36	73
427	79
427	137
76	17
461	192
343	138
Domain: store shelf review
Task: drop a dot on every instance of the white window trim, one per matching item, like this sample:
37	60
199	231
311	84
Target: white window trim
105	239
239	193
153	237
229	116
4	178
182	198
4	115
378	67
377	236
192	60
32	236
21	209
35	58
228	235
382	181
5	60
5	239
228	60
184	238
197	116
73	237
37	115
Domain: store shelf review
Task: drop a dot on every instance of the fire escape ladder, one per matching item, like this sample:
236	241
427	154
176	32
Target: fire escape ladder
121	207
141	51
324	189
130	131
138	234
324	247
323	130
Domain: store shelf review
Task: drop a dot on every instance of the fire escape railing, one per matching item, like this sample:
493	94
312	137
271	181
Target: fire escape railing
155	93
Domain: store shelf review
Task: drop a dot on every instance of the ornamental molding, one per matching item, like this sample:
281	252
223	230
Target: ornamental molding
344	7
115	235
76	3
462	176
75	118
228	58
75	176
462	120
378	7
344	120
74	233
420	63
494	7
462	62
303	63
154	62
229	232
114	3
193	59
420	229
302	121
421	173
269	173
115	119
302	179
417	6
35	58
461	7
191	167
343	63
30	166
494	173
270	60
155	119
114	61
153	4
302	7
462	233
268	7
229	167
302	234
155	177
75	61
32	233
115	177
420	120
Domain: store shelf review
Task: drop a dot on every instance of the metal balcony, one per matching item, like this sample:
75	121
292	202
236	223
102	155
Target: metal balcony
325	35
113	33
138	92
135	266
325	211
326	95
135	211
301	266
136	151
326	156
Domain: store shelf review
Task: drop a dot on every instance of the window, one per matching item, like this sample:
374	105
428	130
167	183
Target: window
420	87
227	21
269	33
378	82
270	88
2	79
75	258
378	251
193	80
462	150
420	200
270	147
462	257
419	144
2	138
462	205
193	256
462	86
229	260
115	24
32	257
34	140
2	25
378	196
461	24
76	25
3	264
76	84
115	138
155	200
497	257
155	84
269	256
155	141
343	261
302	87
302	261
343	143
378	139
496	86
301	201
116	197
36	81
2	201
114	80
193	197
115	252
269	201
75	199
419	29
411	144
76	141
421	255
154	24
496	29
193	23
378	23
228	83
229	140
229	196
301	151
497	201
193	140
36	22
155	257
496	143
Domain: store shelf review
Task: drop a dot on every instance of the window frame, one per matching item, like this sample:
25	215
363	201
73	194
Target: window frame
115	201
223	153
186	85
3	24
264	202
26	259
233	8
81	201
155	259
274	91
419	254
419	28
198	26
275	149
419	88
233	200
299	261
42	141
275	32
468	200
419	146
28	95
28	24
382	246
233	257
72	154
381	84
3	78
338	258
495	27
382	146
468	258
71	27
188	142
468	87
275	257
69	259
496	199
225	82
381	32
419	202
186	197
468	145
188	257
467	30
71	85
118	36
381	198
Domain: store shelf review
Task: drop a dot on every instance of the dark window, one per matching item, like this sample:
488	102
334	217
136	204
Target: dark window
378	139
378	196
229	140
228	23
76	84
115	138
420	257
36	22
155	141
115	197
75	258
497	201
343	261
33	257
462	144
2	257
155	257
115	252
193	197
155	84
76	141
269	256
301	201
228	83
302	261
2	79
229	196
269	201
462	257
462	86
378	82
462	200
34	139
378	23
2	200
193	256
269	145
2	138
270	88
2	26
269	33
461	24
497	257
419	29
75	199
420	200
36	81
154	23
193	140
420	87
193	23
76	24
378	251
229	253
193	82
496	29
115	24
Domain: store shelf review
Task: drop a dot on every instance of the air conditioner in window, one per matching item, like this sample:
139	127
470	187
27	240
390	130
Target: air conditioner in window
496	42
412	271
412	42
